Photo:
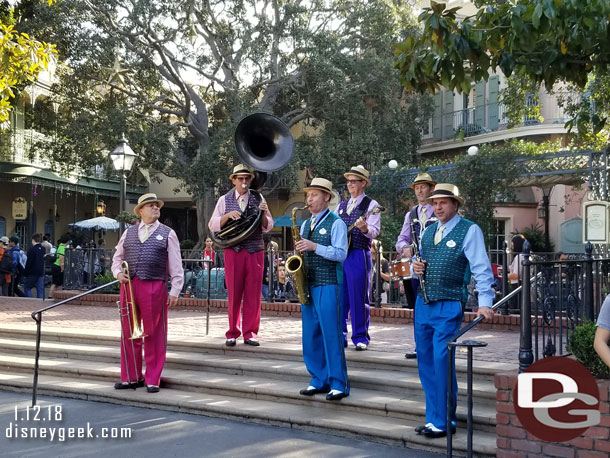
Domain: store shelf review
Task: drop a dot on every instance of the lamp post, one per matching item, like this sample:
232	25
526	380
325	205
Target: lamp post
123	158
392	165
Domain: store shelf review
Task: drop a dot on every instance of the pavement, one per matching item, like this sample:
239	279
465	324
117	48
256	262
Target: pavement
140	432
503	346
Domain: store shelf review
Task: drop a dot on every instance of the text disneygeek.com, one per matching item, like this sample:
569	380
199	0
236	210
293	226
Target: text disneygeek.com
34	423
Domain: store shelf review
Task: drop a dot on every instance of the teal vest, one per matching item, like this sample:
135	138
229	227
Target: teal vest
447	268
321	271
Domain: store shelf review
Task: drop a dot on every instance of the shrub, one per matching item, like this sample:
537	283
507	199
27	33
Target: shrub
581	345
535	235
106	278
187	244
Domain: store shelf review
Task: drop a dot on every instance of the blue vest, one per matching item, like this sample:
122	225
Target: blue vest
254	242
358	241
321	271
447	268
147	260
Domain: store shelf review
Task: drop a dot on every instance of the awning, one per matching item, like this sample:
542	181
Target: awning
285	221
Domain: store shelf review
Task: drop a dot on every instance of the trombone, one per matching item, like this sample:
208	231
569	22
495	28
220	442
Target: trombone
136	324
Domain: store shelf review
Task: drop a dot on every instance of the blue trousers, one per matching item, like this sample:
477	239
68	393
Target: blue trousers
435	323
32	281
323	350
356	276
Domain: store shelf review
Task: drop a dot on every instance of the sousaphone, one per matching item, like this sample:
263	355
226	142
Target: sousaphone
263	142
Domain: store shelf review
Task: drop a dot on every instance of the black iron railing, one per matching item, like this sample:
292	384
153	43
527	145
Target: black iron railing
37	316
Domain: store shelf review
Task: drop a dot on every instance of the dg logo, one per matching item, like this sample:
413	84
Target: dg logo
557	399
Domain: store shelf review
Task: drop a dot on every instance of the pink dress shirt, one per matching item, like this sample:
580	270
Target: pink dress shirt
176	272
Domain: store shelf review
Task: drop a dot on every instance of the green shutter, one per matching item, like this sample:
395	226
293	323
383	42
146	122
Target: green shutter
492	113
438	116
448	114
479	110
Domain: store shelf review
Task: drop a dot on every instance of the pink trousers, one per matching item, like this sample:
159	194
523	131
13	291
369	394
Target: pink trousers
150	297
244	277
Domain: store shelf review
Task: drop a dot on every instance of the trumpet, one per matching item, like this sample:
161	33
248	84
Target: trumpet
136	329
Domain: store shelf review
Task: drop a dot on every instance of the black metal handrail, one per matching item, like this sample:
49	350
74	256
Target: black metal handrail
37	316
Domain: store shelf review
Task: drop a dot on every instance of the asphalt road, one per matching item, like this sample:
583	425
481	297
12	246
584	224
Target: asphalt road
104	431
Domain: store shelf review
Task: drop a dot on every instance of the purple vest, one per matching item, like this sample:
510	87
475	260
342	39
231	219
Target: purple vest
358	241
254	242
147	260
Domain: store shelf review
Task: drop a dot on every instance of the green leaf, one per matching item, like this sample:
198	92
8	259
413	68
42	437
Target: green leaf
537	15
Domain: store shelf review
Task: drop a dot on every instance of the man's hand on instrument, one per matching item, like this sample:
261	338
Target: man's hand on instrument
361	225
486	312
172	301
122	278
235	214
306	245
263	206
407	252
419	267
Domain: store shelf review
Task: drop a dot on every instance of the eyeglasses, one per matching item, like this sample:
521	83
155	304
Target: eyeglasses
354	181
244	178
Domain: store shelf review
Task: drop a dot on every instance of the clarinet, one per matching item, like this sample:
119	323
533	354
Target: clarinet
422	277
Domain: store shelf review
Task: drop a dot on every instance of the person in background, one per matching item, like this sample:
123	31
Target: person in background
384	272
209	254
34	268
515	269
57	269
5	273
101	256
602	333
46	243
272	248
18	266
283	289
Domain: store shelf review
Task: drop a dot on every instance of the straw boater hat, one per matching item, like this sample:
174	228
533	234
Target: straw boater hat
241	169
423	178
146	199
445	190
360	172
320	184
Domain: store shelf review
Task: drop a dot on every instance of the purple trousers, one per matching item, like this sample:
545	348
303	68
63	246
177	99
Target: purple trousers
356	277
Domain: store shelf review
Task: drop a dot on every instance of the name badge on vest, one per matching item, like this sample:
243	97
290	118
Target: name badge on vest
159	237
451	243
341	211
323	231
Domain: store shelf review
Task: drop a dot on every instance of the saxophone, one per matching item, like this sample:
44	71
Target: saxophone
294	264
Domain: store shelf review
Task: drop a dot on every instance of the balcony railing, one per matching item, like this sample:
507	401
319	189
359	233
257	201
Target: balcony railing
16	146
473	121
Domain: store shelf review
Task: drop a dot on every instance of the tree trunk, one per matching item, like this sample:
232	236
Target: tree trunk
205	208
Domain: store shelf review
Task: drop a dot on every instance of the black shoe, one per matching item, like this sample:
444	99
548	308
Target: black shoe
230	342
335	396
128	385
253	342
152	388
411	355
311	391
420	428
436	434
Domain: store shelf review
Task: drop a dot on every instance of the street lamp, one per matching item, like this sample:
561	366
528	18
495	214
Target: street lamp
101	208
473	150
123	158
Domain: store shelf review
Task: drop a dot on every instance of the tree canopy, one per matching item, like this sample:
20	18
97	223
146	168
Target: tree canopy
22	58
549	41
177	76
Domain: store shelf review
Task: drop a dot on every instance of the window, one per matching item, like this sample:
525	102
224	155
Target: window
496	244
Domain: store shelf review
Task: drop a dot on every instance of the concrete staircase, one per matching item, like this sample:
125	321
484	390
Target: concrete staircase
251	384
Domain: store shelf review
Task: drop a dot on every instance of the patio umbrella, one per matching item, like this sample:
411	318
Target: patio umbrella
285	221
98	224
